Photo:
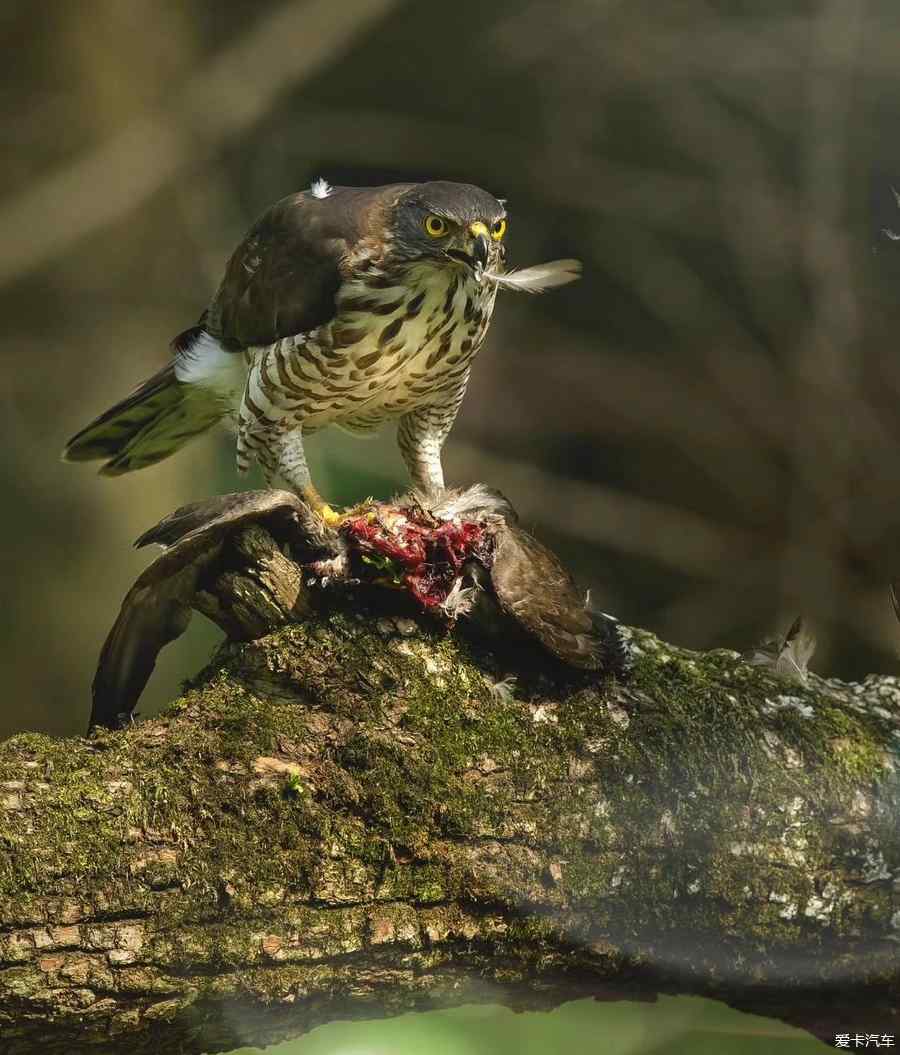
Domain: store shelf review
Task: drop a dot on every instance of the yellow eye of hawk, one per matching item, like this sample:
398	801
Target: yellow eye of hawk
436	226
498	229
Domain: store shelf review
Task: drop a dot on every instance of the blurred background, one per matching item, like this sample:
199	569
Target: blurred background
707	427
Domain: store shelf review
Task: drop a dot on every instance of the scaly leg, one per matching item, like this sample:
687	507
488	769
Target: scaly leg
284	458
421	436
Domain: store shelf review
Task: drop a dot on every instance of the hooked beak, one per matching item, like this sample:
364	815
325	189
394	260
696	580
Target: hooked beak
480	247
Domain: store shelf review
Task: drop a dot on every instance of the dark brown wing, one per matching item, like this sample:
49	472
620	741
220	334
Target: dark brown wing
211	517
539	594
157	609
282	279
153	614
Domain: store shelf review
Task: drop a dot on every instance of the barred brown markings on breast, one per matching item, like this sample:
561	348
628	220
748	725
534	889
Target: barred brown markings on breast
357	304
348	335
389	332
287	382
466	345
441	349
303	351
389	308
368	360
380	282
451	293
266	382
333	386
458	371
256	411
415	305
469	310
311	380
433	331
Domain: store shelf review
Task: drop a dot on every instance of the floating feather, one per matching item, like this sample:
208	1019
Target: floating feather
538	278
320	188
788	656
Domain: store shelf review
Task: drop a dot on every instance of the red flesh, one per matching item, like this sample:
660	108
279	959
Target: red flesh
426	555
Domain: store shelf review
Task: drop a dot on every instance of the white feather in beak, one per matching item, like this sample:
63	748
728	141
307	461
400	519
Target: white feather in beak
538	278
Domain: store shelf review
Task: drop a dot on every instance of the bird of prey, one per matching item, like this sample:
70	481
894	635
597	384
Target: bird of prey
343	305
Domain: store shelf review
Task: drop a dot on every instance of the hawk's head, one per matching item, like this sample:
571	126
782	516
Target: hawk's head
449	225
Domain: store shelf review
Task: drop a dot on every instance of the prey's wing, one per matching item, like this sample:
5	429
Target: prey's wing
153	614
536	590
212	517
157	609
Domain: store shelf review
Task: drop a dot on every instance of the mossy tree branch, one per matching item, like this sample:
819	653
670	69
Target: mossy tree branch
347	818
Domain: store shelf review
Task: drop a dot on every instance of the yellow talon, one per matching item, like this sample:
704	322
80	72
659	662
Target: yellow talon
332	518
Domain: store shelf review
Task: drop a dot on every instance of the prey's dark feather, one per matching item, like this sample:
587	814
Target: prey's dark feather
157	609
788	655
211	516
152	615
534	589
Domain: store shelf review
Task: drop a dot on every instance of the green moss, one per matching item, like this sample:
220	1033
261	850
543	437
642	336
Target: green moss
635	797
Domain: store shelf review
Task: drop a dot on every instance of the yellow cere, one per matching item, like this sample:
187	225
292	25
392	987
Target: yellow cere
436	226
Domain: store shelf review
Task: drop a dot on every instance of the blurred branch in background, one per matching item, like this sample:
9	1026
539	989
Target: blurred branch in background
233	91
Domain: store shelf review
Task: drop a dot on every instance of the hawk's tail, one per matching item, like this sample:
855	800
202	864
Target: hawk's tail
157	418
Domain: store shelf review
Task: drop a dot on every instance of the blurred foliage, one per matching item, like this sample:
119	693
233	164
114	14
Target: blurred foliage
671	1026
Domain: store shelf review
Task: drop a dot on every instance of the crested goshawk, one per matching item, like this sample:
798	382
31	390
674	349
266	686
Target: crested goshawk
346	306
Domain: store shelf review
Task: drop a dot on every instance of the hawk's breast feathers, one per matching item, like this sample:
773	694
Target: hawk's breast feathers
334	325
396	343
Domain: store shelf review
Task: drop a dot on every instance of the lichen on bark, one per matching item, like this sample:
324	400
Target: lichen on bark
348	817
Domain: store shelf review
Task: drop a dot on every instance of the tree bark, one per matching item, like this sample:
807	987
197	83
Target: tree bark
354	815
